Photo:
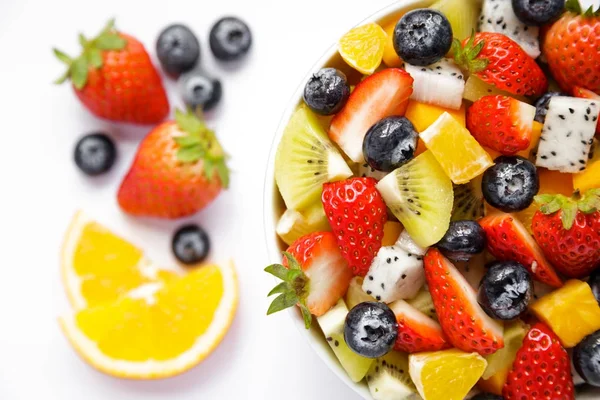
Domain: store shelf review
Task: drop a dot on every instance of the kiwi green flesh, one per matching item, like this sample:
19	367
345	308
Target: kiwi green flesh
389	377
356	366
424	303
514	333
468	201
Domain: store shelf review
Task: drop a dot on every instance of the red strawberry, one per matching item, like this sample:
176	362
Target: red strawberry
115	79
507	239
498	60
380	95
542	369
568	231
178	170
463	321
356	213
587	94
501	123
416	331
571	47
314	274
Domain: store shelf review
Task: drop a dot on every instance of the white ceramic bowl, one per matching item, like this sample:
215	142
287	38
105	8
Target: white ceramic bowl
274	206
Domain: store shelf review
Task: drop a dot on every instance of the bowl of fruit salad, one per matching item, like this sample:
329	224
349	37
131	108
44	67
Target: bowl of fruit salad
432	202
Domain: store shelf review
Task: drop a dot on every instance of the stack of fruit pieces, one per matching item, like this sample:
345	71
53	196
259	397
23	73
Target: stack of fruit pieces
131	319
443	208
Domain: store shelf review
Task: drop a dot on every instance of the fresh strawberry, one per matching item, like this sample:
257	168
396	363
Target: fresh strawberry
501	123
463	321
416	331
587	94
314	274
179	169
380	95
115	79
507	239
571	45
542	369
498	60
356	212
568	231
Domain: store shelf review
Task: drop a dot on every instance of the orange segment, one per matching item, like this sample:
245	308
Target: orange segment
459	154
362	48
590	177
424	115
572	312
159	329
390	57
391	233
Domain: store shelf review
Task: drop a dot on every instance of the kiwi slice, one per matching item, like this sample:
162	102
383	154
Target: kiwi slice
294	224
388	378
332	325
468	201
424	303
462	15
514	333
305	160
355	294
420	194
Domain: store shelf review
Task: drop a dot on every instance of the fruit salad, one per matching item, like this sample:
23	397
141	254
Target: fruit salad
441	183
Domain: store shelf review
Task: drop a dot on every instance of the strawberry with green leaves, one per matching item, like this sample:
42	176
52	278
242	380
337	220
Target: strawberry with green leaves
568	231
314	274
115	79
180	168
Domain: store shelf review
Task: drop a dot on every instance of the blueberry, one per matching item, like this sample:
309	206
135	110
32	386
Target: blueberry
462	240
199	91
594	283
586	358
541	106
370	329
177	49
537	12
487	396
327	91
422	37
511	184
390	143
505	290
95	154
190	244
230	39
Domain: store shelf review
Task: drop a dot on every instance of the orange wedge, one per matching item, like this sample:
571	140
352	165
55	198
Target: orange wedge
362	48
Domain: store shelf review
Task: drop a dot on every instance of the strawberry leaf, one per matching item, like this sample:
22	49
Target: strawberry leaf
109	41
292	262
95	58
223	173
281	288
79	72
62	57
189	123
187	141
306	315
573	6
190	154
282	302
277	270
568	214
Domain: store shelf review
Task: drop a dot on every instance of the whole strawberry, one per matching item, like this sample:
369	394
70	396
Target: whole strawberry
356	212
178	170
501	123
114	78
542	369
499	61
568	232
571	47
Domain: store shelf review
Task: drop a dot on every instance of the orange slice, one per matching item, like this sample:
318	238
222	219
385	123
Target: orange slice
98	266
362	48
159	329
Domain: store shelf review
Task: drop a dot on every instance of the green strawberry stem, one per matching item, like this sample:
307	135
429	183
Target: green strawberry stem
91	55
292	291
201	144
574	6
569	207
467	57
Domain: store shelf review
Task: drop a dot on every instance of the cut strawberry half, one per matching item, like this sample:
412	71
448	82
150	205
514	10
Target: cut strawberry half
507	239
381	95
463	321
314	274
587	94
416	331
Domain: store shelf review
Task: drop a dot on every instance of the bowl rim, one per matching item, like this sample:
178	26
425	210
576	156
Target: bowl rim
269	218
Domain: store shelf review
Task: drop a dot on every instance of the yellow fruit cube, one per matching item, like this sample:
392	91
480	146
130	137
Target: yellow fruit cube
452	145
362	47
424	115
572	312
590	177
390	57
495	384
391	233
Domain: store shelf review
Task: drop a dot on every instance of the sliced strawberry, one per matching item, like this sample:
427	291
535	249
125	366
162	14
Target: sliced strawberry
542	370
501	123
357	213
416	331
587	94
507	239
463	321
378	96
314	273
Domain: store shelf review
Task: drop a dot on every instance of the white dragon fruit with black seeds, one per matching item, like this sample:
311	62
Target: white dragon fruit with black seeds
568	134
441	84
498	16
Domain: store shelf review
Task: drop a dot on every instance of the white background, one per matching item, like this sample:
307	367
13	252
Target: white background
40	189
